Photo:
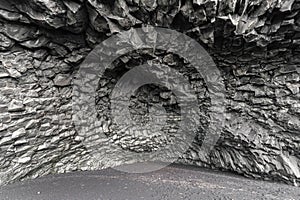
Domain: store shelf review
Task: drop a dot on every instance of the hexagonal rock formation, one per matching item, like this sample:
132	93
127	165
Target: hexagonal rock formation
255	44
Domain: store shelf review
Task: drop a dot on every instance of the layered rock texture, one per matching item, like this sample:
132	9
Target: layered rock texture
255	44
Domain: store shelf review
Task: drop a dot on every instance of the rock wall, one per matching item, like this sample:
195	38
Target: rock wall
255	44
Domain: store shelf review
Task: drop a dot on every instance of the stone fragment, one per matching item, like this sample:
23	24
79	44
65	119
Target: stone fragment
294	88
62	80
74	59
45	127
290	163
8	12
4	75
14	73
18	133
286	5
281	93
43	146
40	54
24	160
5	42
31	124
20	142
5	140
16	105
20	32
79	138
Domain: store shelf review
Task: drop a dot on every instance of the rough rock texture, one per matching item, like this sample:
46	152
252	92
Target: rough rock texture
255	43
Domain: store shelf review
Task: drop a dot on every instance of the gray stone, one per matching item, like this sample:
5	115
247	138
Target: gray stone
16	105
5	140
21	142
5	42
31	124
62	80
14	73
43	146
24	160
294	88
18	133
4	75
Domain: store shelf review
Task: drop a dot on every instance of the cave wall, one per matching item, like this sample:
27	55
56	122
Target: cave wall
255	45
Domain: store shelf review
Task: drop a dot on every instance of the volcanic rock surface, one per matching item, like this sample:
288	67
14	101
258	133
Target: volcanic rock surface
255	44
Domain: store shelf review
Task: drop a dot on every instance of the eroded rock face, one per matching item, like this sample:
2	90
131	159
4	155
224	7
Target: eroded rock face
255	44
